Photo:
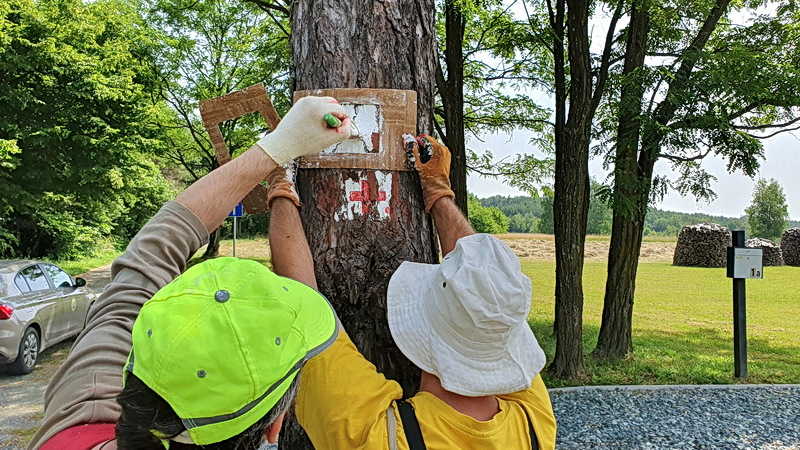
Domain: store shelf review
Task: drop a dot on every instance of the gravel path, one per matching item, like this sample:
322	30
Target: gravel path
715	417
22	398
97	279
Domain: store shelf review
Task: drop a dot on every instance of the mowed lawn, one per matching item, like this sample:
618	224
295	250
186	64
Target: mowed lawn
682	325
682	316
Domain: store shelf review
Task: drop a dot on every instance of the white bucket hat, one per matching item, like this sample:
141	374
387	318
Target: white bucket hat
465	320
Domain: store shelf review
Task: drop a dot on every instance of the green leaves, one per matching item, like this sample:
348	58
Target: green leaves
202	50
74	125
486	219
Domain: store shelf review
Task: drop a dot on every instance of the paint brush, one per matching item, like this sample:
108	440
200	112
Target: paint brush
334	122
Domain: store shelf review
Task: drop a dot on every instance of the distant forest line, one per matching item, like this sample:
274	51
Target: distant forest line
534	215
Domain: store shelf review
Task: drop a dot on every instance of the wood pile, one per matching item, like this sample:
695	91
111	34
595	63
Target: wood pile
702	245
772	254
790	246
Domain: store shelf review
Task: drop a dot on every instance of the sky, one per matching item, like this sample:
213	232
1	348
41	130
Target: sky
734	191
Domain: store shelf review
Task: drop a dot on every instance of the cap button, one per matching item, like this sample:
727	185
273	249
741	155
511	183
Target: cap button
222	296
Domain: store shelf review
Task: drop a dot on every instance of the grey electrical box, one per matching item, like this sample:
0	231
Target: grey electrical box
745	263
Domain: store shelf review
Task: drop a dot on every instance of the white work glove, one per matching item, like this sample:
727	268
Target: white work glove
303	130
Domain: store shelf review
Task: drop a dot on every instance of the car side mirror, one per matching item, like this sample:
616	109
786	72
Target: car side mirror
80	282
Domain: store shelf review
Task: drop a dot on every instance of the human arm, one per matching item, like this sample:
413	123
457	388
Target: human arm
84	388
302	132
342	399
451	225
291	256
432	161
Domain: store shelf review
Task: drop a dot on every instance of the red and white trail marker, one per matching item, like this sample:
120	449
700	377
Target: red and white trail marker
362	200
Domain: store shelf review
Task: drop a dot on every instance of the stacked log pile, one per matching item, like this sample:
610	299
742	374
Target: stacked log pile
772	255
790	246
702	245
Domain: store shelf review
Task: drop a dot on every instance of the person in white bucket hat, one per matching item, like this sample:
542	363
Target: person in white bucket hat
464	324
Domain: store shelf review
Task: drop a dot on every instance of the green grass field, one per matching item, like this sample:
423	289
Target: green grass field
682	320
683	325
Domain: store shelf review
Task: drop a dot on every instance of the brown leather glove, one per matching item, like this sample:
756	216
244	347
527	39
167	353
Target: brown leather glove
432	161
280	183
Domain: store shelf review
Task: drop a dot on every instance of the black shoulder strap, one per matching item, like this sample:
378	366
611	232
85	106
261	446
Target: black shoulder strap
411	426
531	432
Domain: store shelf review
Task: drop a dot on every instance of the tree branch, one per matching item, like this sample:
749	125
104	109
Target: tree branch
762	127
774	134
604	65
267	6
676	158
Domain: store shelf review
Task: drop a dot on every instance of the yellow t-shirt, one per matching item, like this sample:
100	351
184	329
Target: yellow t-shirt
343	401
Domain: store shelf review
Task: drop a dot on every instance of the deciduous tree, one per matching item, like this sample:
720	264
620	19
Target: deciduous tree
203	50
693	84
768	213
75	139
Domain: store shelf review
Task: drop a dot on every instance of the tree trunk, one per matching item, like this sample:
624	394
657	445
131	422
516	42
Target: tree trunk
571	202
615	339
633	175
557	22
365	44
451	91
212	250
630	206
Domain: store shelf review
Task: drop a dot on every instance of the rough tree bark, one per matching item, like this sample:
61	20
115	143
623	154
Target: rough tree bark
212	250
571	202
451	91
629	210
365	44
638	158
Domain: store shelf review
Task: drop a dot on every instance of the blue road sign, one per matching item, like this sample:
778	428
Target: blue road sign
237	212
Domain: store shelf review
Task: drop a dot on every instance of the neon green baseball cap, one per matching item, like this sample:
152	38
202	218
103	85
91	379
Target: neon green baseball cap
223	342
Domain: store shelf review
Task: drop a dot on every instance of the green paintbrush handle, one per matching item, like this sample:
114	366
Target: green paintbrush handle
332	120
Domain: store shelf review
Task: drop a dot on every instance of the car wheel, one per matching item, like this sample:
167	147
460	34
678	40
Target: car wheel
28	353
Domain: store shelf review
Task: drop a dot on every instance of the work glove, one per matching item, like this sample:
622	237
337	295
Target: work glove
280	183
303	131
432	161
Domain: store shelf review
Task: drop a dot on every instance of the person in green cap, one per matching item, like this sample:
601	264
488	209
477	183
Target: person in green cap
211	357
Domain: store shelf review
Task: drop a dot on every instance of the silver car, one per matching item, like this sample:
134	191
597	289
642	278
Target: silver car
40	305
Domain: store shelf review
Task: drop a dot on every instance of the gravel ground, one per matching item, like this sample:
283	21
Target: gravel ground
22	398
731	417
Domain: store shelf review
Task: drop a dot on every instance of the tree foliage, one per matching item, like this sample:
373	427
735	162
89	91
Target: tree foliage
692	83
487	59
75	139
768	213
203	50
486	219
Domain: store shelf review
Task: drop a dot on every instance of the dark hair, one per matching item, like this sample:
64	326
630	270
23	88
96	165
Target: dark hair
144	410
